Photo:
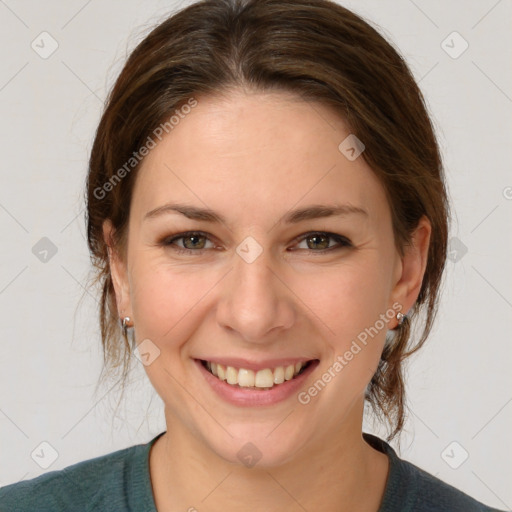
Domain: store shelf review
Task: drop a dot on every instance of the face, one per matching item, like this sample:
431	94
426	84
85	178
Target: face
285	287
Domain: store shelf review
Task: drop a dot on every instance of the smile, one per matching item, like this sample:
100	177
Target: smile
246	383
263	379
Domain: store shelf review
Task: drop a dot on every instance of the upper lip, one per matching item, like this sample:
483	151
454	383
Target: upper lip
256	365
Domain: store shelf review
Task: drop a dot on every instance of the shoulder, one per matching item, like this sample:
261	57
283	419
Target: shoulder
83	486
410	488
432	494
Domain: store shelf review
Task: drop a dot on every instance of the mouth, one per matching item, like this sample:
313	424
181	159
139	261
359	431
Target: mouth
263	379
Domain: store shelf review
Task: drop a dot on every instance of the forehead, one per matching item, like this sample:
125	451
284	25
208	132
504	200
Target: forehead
256	155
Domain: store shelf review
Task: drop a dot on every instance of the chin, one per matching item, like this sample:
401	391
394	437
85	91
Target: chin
258	445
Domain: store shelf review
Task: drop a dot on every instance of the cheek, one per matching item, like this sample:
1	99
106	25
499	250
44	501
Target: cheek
354	307
164	300
348	298
166	304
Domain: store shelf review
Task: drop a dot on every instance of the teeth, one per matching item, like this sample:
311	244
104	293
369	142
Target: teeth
221	372
265	378
279	375
231	375
288	372
245	378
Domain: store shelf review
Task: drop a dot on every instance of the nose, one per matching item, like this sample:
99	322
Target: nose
256	303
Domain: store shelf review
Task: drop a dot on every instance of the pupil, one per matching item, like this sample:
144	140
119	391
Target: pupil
193	237
318	237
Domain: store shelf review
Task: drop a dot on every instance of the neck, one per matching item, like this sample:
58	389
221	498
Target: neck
339	474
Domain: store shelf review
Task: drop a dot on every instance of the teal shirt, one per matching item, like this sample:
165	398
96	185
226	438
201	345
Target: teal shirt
120	482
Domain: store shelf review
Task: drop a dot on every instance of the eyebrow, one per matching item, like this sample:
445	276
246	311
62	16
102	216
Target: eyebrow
315	211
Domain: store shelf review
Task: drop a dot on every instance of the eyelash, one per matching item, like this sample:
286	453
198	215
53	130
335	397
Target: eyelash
342	241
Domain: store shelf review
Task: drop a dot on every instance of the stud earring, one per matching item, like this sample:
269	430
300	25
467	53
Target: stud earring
400	317
126	323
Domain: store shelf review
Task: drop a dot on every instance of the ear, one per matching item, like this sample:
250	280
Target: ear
118	272
410	267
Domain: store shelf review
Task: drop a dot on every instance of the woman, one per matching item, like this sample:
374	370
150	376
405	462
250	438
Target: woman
268	217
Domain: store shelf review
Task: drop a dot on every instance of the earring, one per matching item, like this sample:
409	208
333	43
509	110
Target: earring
126	322
400	317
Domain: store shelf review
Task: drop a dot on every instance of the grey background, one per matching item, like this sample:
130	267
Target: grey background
459	384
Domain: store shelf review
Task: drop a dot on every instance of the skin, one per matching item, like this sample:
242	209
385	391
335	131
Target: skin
253	157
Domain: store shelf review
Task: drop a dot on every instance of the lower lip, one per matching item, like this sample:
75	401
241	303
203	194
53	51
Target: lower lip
250	397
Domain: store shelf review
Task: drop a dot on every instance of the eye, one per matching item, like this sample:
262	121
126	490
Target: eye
195	242
319	241
192	241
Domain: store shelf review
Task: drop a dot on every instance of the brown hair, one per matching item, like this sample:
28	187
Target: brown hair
322	52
